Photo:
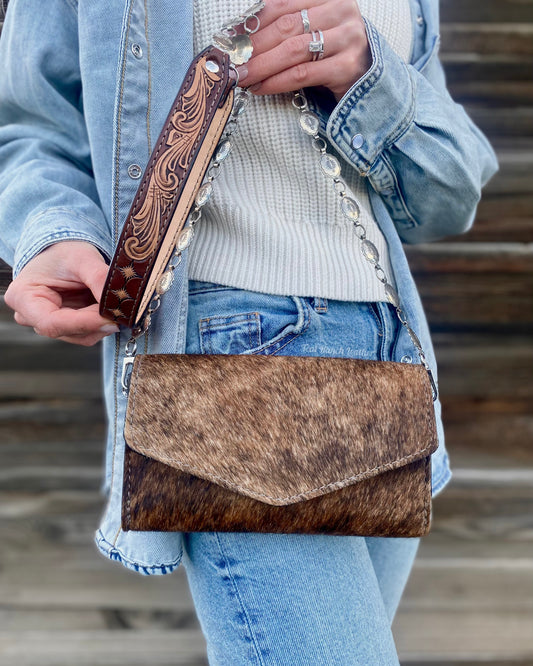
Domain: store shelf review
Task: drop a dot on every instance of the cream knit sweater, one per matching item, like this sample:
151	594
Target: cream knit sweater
274	223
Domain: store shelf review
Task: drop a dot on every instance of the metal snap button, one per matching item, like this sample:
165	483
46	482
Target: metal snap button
357	141
134	171
137	50
406	359
420	20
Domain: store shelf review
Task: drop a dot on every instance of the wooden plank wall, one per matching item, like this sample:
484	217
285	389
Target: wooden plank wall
470	598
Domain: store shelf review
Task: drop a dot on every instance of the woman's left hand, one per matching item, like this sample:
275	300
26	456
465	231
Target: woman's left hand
281	60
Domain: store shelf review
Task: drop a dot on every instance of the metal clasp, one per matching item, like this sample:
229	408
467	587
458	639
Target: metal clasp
127	365
434	390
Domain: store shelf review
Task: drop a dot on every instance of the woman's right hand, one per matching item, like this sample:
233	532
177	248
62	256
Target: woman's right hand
58	291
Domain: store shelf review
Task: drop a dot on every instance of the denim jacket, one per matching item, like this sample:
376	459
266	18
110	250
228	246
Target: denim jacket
85	87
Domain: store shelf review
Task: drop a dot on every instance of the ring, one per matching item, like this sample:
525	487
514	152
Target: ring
305	20
316	45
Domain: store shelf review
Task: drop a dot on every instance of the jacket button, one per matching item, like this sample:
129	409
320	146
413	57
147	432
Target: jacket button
406	359
357	141
134	171
137	50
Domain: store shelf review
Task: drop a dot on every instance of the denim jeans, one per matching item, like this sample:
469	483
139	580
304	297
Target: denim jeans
294	600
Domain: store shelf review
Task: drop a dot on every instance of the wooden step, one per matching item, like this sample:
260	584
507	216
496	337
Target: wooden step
497	11
489	38
494	94
507	121
475	284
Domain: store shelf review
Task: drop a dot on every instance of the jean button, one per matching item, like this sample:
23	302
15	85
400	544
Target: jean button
134	171
357	141
406	359
137	50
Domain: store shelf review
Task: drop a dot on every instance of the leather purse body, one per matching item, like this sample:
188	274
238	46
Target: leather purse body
278	444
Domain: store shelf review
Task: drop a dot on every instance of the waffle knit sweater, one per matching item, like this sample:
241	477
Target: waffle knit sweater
274	222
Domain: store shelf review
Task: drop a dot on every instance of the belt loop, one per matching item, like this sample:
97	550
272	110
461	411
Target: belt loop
320	304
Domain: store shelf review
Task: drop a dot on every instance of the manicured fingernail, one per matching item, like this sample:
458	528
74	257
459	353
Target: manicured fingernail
255	87
242	70
110	328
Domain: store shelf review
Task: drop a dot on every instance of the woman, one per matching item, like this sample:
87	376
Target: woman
274	268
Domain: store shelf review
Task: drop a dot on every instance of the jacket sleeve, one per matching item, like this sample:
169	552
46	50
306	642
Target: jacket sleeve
47	189
399	127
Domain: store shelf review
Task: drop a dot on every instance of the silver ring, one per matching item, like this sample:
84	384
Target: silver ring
316	45
305	20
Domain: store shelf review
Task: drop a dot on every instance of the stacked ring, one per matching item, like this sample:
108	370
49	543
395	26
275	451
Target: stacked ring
316	45
305	20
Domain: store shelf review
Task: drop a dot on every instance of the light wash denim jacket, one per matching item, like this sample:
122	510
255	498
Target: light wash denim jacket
80	104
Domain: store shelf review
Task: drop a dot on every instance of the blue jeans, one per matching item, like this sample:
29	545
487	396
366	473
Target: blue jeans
294	600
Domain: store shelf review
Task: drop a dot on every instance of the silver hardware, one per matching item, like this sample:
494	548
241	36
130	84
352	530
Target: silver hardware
185	238
223	150
134	171
204	194
357	141
223	41
305	20
339	186
350	208
310	123
127	367
165	282
319	144
299	101
253	30
392	295
212	66
406	359
137	51
360	231
330	165
241	49
254	9
370	251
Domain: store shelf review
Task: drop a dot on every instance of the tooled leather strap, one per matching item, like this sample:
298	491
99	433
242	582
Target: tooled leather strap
168	187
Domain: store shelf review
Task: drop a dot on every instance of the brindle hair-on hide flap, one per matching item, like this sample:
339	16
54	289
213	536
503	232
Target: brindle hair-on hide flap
278	444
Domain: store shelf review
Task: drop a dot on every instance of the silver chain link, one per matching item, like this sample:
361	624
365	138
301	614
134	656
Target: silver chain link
330	165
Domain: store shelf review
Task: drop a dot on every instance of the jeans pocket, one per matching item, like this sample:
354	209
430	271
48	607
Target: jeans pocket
228	320
230	334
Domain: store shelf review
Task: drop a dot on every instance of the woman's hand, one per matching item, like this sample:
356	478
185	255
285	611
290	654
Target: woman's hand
281	60
57	294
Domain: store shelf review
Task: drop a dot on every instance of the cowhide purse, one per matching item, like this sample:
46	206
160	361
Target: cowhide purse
243	442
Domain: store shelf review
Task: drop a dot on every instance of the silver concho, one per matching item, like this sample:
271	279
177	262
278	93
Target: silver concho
164	283
241	49
349	208
392	295
330	165
309	122
370	251
184	239
204	194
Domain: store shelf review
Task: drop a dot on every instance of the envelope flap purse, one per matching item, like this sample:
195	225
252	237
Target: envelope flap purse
270	454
